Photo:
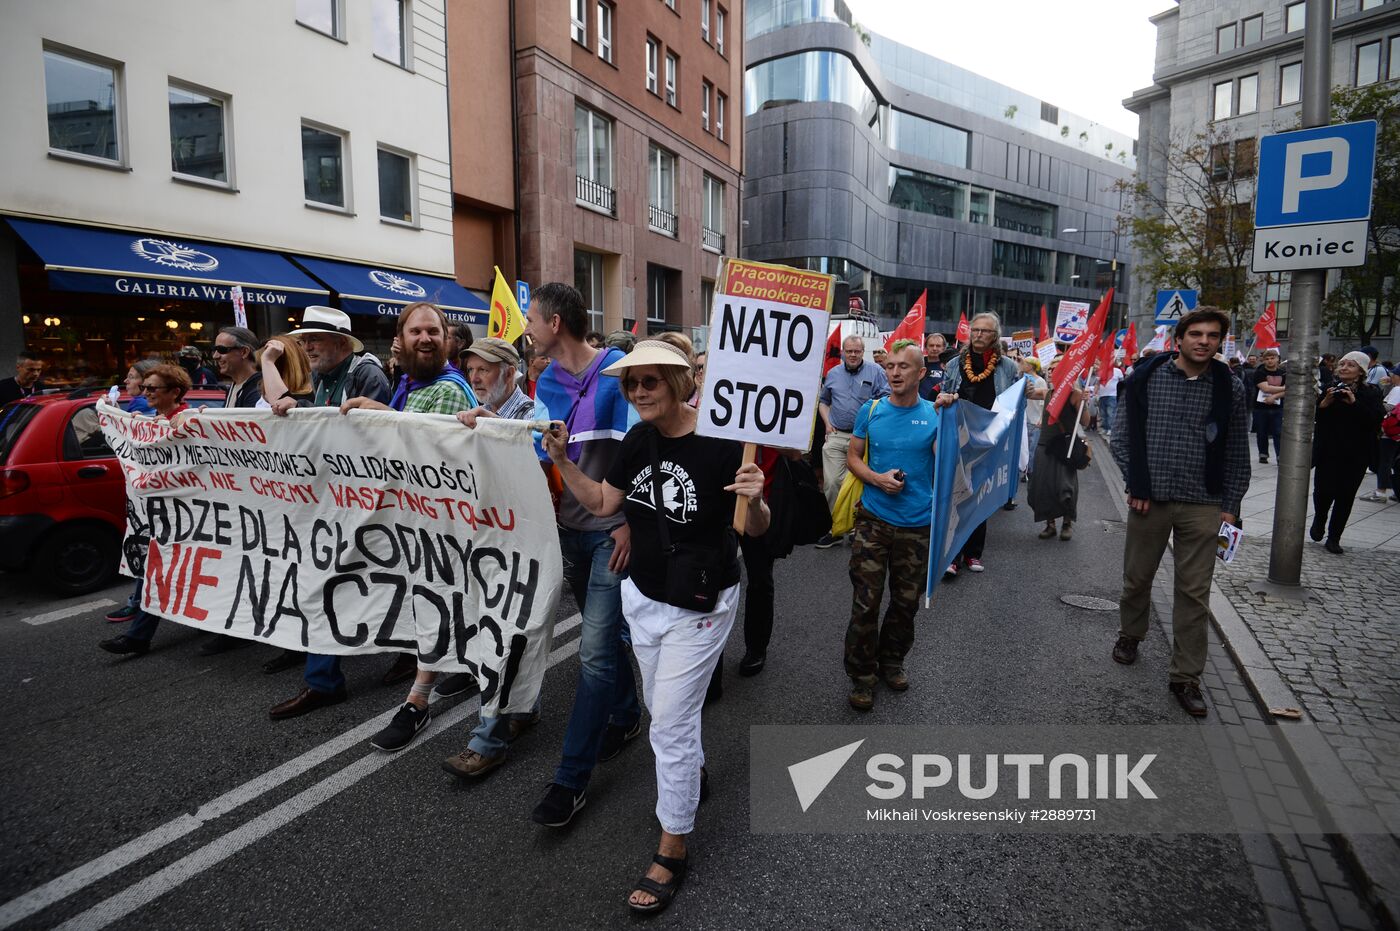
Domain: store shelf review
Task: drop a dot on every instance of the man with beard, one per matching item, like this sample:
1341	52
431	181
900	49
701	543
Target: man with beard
429	386
977	375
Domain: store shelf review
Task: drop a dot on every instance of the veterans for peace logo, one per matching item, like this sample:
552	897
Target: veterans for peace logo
174	255
397	283
678	499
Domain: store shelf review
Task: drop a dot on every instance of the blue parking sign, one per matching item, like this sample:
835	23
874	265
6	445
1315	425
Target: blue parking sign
1320	175
522	295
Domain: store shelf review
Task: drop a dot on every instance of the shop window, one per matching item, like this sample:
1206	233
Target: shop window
396	187
391	31
1290	83
198	123
83	106
321	15
323	166
1368	63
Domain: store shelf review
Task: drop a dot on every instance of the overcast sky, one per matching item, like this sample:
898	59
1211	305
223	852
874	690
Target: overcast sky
1082	55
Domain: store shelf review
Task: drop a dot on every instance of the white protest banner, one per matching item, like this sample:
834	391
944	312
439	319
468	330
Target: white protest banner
365	533
1071	319
240	312
768	330
1024	342
1045	352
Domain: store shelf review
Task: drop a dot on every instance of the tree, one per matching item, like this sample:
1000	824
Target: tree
1195	228
1368	296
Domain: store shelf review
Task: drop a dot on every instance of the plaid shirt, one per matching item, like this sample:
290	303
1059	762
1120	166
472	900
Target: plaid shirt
441	397
1178	410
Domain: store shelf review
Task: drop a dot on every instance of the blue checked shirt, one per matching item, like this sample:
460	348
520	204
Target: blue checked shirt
1178	412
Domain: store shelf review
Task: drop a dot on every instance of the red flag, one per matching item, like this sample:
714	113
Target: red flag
964	330
833	350
1106	358
1130	344
1044	327
912	326
1077	358
635	324
1266	329
1169	346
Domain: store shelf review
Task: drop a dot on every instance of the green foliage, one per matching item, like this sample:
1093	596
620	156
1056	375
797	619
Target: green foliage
1367	296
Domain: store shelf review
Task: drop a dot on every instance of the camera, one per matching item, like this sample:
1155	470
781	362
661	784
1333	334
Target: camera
899	474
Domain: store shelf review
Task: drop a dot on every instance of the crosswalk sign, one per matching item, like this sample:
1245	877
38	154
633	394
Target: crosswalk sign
1172	305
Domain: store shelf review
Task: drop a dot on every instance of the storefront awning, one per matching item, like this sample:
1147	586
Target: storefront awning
382	292
106	261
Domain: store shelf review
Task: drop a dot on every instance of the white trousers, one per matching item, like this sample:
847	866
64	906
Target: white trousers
677	651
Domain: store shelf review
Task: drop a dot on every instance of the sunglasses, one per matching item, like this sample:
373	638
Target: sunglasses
221	350
649	382
147	389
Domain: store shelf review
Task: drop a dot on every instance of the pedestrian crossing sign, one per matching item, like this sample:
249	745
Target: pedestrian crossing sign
1172	305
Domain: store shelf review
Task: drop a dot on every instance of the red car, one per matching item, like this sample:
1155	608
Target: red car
62	495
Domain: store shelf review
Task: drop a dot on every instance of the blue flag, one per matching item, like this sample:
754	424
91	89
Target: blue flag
975	476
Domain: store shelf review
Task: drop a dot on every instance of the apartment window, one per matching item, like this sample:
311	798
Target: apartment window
1246	156
1225	39
673	65
588	278
593	159
706	89
395	186
671	4
323	166
321	15
605	30
721	104
1252	30
578	21
1221	108
656	293
1370	4
197	127
1220	161
82	106
653	54
712	214
1394	72
1368	63
1249	93
390	30
705	20
1293	17
720	17
661	190
1290	83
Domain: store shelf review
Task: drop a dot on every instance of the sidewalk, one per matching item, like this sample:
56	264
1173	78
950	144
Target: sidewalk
1335	656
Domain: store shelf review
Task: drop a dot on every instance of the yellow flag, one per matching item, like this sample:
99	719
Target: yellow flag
507	322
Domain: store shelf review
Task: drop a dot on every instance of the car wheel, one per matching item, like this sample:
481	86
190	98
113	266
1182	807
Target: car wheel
77	560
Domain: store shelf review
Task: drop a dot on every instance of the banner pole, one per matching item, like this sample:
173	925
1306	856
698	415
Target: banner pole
1078	416
741	503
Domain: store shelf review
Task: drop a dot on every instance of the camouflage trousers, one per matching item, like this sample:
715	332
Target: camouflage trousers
878	548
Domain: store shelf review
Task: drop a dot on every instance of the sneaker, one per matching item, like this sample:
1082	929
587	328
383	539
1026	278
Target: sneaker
559	805
951	572
975	565
827	542
121	614
458	683
615	738
407	722
1375	497
471	765
862	697
123	645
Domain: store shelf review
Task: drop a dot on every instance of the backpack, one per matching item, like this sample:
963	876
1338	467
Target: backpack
800	513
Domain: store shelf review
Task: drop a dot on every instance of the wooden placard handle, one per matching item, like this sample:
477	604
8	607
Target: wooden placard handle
741	503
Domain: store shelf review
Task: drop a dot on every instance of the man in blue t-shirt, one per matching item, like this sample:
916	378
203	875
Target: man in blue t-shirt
891	534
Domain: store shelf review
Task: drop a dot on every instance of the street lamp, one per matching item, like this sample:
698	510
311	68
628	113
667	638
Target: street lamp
1113	268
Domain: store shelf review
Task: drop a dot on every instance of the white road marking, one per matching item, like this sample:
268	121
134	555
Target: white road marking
70	611
59	888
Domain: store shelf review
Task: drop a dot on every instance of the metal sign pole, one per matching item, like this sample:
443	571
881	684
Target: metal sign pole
1300	396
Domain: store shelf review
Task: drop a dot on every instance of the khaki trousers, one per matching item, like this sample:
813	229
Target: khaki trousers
1193	529
834	465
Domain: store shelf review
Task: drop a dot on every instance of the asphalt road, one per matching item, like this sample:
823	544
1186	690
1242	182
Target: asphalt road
155	793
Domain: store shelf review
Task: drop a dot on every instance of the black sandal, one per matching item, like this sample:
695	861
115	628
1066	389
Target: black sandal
664	892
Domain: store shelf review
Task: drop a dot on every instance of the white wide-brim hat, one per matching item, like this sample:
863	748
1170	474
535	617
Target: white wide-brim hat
649	352
323	320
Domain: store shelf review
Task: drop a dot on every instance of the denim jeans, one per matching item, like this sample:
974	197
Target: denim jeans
607	689
487	740
1108	407
143	626
1032	441
322	673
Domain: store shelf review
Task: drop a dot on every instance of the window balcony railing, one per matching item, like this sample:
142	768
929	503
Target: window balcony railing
661	221
712	240
592	194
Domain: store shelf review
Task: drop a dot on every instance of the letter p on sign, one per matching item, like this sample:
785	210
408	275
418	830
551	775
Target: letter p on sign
1295	182
1319	175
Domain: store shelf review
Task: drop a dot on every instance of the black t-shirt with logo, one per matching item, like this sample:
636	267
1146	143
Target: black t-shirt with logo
1277	378
694	471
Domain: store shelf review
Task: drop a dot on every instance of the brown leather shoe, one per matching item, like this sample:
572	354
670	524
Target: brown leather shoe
471	765
405	667
895	679
1125	650
1190	697
1066	531
862	697
307	701
517	726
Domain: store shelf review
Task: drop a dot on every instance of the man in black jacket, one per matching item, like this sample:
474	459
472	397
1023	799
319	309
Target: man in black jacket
236	356
1184	456
28	368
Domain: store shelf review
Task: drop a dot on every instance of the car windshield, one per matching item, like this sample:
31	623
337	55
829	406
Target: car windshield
14	417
